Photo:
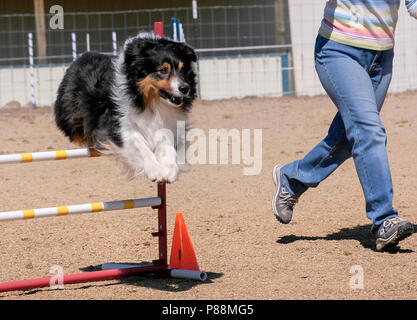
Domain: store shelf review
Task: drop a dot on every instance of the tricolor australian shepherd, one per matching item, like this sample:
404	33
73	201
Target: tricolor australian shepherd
117	104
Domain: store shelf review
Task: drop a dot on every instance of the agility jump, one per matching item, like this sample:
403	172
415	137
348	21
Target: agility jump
183	263
110	271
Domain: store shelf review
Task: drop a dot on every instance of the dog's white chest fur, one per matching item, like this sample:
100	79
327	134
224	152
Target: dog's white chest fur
143	149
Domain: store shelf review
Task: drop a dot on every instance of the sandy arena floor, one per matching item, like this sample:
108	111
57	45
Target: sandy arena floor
246	252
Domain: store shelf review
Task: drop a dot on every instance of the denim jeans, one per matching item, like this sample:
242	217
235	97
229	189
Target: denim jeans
357	81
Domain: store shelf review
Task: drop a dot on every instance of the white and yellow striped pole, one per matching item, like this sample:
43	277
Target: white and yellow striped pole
80	208
48	155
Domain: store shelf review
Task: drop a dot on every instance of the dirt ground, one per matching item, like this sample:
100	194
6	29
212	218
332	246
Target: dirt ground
247	253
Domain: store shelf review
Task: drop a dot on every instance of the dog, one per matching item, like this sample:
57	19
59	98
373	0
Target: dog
119	104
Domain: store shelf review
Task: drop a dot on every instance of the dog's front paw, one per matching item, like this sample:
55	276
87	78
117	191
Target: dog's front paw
155	172
159	173
167	156
171	173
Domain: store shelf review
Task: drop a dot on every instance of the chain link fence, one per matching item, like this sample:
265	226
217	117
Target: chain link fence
214	27
226	39
244	50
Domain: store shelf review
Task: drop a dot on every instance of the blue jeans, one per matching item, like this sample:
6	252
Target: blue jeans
357	81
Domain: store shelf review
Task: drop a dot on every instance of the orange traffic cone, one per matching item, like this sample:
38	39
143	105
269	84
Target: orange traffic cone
182	252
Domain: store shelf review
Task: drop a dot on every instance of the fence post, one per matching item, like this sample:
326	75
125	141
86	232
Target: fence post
32	69
87	41
114	39
74	46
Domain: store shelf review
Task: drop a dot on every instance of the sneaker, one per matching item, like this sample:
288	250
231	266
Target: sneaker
391	232
283	201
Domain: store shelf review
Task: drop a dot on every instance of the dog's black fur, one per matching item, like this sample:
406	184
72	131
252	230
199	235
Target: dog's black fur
84	102
118	103
85	109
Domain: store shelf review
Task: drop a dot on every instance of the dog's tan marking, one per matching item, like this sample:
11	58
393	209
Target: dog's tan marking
180	65
149	86
82	142
164	84
166	66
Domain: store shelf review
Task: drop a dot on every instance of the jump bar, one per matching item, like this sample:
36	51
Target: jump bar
81	208
48	155
174	273
79	278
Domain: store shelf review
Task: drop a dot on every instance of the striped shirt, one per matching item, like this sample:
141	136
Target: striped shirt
366	24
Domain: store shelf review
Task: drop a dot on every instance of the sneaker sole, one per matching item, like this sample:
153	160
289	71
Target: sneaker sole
277	169
402	233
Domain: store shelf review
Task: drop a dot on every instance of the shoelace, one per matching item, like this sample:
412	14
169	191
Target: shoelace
389	223
287	199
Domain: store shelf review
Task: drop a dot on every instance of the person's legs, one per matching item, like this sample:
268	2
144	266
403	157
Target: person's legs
321	161
330	153
357	81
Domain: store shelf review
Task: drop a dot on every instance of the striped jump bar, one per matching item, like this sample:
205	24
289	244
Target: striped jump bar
81	208
48	155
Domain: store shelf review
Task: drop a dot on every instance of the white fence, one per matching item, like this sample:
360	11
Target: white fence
283	69
240	77
15	85
222	78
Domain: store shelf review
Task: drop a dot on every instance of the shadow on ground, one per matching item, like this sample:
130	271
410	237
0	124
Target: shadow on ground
158	281
359	233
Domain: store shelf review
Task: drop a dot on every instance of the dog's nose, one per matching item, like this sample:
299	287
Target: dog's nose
184	88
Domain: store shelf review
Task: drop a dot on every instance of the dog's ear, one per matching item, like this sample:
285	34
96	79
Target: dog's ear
185	51
137	52
139	46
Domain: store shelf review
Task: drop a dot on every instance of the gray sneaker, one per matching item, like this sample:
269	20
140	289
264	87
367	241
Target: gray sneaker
283	202
391	232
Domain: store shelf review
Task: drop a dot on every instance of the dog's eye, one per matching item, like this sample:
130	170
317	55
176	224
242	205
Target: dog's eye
163	70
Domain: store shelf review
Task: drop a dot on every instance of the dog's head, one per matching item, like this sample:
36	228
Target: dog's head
160	70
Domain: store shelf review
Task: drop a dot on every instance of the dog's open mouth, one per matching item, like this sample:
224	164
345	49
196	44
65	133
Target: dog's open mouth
177	101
